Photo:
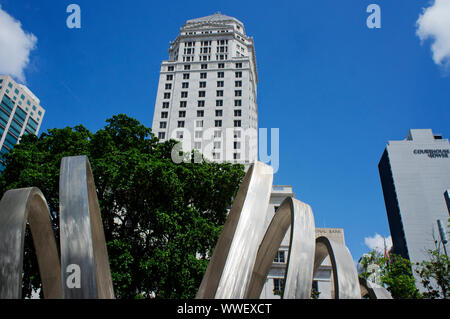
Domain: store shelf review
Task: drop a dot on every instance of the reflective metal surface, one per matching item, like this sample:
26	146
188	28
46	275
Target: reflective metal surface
374	291
81	231
345	277
298	275
16	208
231	265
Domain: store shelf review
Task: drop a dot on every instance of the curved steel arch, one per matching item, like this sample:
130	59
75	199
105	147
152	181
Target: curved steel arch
81	231
345	277
299	270
230	268
16	208
373	291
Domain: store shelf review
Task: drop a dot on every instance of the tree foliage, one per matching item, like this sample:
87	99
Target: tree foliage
161	219
395	274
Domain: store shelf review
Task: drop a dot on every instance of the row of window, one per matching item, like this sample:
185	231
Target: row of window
200	103
202	84
199	123
219	93
219	113
203	75
204	66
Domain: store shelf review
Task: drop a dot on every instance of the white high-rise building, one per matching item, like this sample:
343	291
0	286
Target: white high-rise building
20	113
207	93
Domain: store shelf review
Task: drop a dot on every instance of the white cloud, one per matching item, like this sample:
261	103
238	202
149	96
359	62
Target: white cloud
434	24
15	46
377	242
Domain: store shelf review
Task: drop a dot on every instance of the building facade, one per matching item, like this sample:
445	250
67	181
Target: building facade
415	175
207	92
20	113
275	278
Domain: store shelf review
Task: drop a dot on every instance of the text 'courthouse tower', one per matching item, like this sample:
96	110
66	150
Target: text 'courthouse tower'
207	90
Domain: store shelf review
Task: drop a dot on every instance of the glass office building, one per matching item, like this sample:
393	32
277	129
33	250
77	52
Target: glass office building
20	113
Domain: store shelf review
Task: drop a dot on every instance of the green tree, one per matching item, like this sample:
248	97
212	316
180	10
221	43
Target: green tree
395	274
161	219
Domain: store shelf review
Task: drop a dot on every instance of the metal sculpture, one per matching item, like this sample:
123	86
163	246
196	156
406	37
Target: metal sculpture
82	240
239	264
345	277
231	265
372	290
299	271
16	208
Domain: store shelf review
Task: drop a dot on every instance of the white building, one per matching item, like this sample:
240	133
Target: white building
275	278
20	113
207	90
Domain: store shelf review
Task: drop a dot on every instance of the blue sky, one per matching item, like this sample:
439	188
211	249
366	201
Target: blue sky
337	90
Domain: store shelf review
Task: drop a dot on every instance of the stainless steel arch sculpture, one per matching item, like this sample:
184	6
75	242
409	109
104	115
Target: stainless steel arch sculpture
81	231
239	265
231	265
345	277
82	240
299	270
16	208
372	290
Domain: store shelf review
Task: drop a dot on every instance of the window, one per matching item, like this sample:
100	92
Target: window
237	102
201	93
236	156
183	103
218	123
180	134
185	85
237	123
217	134
219	93
200	113
220	84
236	145
182	114
238	65
180	123
170	68
161	135
201	103
202	84
237	93
216	156
168	86
237	134
219	102
203	75
197	145
162	124
279	257
184	94
198	134
278	284
199	123
238	74
169	77
187	67
204	66
164	115
165	105
221	65
238	83
185	76
167	95
219	112
217	145
220	74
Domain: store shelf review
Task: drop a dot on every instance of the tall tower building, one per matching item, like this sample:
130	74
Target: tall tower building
415	177
20	113
207	90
